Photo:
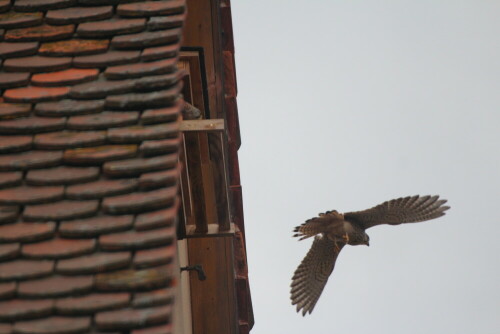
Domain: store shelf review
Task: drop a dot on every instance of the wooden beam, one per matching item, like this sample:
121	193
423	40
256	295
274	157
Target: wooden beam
213	231
202	125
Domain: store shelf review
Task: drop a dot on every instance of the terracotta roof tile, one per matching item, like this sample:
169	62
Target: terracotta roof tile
159	179
153	298
10	179
146	39
101	89
33	94
165	22
136	240
25	309
137	134
167	114
11	80
97	155
160	52
153	257
156	219
69	139
157	99
101	188
61	210
7	290
40	33
26	232
53	325
9	144
30	195
9	251
58	248
140	202
140	69
95	226
78	14
135	280
25	269
5	328
30	160
36	64
151	8
18	20
139	165
70	76
34	5
8	214
154	147
133	318
74	47
95	263
62	175
55	286
92	303
111	58
31	124
111	27
156	82
69	107
163	329
103	120
14	110
9	50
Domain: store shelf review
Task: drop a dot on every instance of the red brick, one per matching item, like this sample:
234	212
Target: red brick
138	166
160	52
111	27
78	14
53	325
92	227
33	94
161	115
26	232
97	155
60	210
12	80
151	8
140	69
7	290
9	110
159	179
29	160
34	5
103	120
101	89
95	263
153	298
25	309
110	58
132	280
25	269
69	107
154	147
17	20
146	39
136	240
62	175
30	195
10	179
74	47
163	329
137	134
9	251
36	64
8	214
40	33
32	124
166	22
133	318
67	77
55	286
69	139
156	219
153	257
92	303
9	144
140	202
156	99
101	188
10	50
58	248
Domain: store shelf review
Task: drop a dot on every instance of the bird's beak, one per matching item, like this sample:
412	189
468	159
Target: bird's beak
368	243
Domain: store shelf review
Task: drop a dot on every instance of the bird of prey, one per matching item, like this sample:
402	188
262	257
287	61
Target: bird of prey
333	230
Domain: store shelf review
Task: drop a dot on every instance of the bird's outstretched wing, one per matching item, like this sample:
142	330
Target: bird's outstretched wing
311	276
409	209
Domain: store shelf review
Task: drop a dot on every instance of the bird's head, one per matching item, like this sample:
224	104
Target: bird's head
366	240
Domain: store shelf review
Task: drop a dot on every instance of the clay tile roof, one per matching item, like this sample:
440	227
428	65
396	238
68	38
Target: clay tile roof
89	140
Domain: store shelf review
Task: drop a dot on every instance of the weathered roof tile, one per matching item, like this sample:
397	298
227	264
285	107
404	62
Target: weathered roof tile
165	22
36	64
111	58
155	116
95	226
92	303
137	240
154	147
101	188
26	232
137	134
146	39
55	286
78	14
7	290
53	325
6	328
69	139
18	20
95	263
9	144
103	120
69	107
30	195
140	69
35	5
18	309
9	251
97	155
156	219
12	80
111	27
40	33
58	248
9	50
157	99
151	8
153	257
162	329
61	175
60	210
33	94
101	89
14	110
66	77
160	52
159	179
29	160
10	179
139	165
31	125
25	269
140	202
8	214
152	298
133	280
74	47
133	318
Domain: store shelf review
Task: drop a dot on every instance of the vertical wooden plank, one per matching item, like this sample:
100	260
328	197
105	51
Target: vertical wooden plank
208	179
216	141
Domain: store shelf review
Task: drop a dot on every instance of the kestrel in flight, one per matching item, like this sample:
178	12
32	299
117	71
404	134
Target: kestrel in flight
333	231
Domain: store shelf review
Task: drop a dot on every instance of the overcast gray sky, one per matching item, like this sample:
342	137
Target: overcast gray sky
346	104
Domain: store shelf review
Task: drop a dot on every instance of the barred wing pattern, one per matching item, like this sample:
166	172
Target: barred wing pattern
311	276
409	209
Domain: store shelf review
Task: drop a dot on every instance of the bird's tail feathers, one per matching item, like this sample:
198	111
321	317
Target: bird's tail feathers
309	229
